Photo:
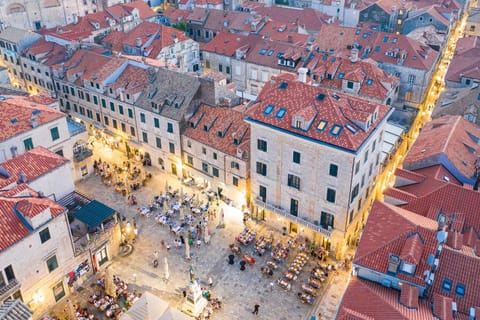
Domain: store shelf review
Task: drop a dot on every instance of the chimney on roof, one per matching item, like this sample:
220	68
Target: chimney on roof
354	55
34	121
22	178
138	42
75	18
302	75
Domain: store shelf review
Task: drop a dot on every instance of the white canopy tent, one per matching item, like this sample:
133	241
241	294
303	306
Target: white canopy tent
151	307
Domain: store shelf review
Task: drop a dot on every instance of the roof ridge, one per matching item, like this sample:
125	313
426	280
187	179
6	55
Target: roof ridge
450	134
399	235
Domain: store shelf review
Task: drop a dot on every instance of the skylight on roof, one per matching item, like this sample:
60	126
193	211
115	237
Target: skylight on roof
325	57
351	128
385	39
280	113
322	125
35	112
377	48
270	53
336	130
336	97
13	120
357	32
365	36
320	96
263	51
283	86
394	40
369	82
333	59
341	75
414	57
268	109
279	55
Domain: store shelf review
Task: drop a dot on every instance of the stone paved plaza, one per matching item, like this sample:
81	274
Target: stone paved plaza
238	290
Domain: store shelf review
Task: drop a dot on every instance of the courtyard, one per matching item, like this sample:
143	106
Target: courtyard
238	290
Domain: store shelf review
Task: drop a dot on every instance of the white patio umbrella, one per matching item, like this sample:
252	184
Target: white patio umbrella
187	249
221	221
182	213
207	235
167	274
110	287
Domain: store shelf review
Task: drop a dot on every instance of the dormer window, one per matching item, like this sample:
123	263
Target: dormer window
298	124
220	134
408	268
236	142
205	128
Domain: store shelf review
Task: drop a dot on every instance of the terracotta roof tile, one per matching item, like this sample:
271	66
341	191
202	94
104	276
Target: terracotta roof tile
226	43
310	19
225	120
409	296
285	32
367	300
412	176
16	112
144	9
412	249
452	137
33	164
294	96
176	15
442	307
337	38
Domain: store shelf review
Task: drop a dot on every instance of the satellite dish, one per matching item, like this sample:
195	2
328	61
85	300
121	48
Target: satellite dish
441	236
431	259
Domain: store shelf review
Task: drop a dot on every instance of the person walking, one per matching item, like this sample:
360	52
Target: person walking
210	281
255	308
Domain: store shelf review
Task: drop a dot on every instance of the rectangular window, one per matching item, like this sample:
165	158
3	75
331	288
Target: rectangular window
124	127
28	143
132	131
357	167
95	100
262	193
262	145
235	165
204	167
156	122
97	115
447	285
294	181
235	181
130	113
327	220
333	170
145	137
370	171
105	120
204	150
215	172
331	195
114	123
87	96
44	235
190	160
169	127
460	290
294	207
366	157
104	103
261	168
158	142
354	193
54	133
58	291
215	156
120	109
374	145
171	147
52	263
296	157
363	181
142	117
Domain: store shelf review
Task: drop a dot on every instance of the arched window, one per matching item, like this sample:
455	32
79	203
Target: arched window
15	8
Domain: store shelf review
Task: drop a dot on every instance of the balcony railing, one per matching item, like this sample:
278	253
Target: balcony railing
6	291
82	155
91	241
74	127
284	213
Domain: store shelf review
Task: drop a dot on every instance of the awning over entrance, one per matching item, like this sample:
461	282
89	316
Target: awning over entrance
94	213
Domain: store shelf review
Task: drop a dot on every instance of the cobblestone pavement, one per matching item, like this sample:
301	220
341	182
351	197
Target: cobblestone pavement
239	290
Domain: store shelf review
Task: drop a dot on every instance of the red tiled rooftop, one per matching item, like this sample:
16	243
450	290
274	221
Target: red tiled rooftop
409	296
412	249
144	9
442	307
16	112
450	136
310	19
12	228
409	175
41	99
176	15
295	96
367	300
338	38
226	43
132	80
226	120
33	164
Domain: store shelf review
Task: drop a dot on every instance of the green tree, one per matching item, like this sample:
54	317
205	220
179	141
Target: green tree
180	26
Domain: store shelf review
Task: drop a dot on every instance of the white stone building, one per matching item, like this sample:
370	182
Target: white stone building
28	125
316	155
